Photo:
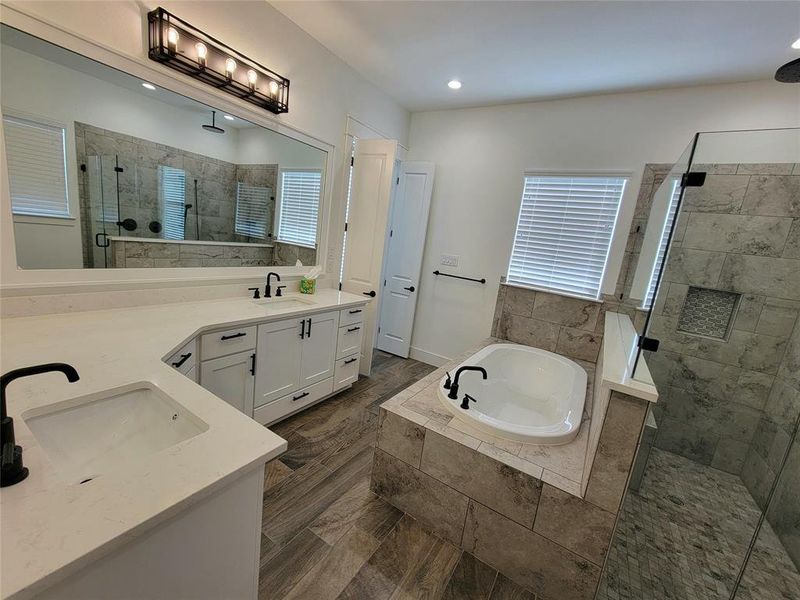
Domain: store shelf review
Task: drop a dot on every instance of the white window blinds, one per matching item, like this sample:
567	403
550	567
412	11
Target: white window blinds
672	212
172	195
251	210
298	207
564	233
37	169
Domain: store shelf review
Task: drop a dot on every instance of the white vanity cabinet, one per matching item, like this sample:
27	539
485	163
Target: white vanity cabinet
232	378
295	366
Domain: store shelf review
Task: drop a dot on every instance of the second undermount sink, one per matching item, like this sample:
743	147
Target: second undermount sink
285	302
106	432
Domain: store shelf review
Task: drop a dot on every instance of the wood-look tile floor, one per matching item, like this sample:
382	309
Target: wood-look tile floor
326	535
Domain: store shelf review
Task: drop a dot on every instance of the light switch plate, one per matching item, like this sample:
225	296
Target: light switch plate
449	260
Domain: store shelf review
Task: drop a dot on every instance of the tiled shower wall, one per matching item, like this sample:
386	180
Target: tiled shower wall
138	185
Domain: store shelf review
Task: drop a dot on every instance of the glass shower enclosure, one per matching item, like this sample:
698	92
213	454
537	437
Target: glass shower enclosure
717	511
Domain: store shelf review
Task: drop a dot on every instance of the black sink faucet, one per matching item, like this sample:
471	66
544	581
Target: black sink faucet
453	395
12	470
268	289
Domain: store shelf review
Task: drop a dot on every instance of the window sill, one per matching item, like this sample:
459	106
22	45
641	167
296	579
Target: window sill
58	220
314	247
553	292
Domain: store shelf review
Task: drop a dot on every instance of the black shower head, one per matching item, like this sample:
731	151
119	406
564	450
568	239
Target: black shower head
213	127
789	73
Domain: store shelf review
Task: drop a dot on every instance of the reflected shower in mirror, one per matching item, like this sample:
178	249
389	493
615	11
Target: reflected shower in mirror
109	171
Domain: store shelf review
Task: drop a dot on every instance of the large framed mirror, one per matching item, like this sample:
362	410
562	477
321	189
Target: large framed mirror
107	171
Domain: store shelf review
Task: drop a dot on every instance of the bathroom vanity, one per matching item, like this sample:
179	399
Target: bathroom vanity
143	483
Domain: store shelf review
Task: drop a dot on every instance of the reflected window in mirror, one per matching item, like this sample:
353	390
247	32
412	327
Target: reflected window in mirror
37	167
172	194
252	202
663	243
298	206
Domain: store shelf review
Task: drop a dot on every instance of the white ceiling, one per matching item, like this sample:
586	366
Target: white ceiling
521	51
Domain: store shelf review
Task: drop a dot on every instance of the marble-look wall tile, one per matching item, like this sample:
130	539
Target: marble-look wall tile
686	440
729	455
576	343
719	194
437	506
574	523
784	510
773	195
529	559
792	247
618	440
530	332
784	168
509	491
570	312
775	277
699	268
740	234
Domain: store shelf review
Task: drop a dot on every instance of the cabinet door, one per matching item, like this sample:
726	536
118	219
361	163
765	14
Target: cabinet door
279	354
231	378
319	348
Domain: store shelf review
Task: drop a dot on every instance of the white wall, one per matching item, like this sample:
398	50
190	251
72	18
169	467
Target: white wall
481	155
256	146
324	90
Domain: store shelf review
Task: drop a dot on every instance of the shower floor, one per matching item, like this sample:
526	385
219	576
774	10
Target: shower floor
684	535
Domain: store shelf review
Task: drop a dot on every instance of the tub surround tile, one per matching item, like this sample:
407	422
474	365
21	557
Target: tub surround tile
454	434
576	343
508	446
567	460
519	301
400	435
570	312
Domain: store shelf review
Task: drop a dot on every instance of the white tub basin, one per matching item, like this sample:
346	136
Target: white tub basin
531	395
102	433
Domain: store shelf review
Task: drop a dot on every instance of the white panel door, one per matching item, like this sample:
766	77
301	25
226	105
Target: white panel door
231	378
370	195
319	348
278	359
408	226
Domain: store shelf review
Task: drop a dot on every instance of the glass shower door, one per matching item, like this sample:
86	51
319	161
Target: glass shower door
103	211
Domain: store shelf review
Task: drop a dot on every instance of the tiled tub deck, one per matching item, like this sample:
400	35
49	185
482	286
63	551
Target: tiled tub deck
541	515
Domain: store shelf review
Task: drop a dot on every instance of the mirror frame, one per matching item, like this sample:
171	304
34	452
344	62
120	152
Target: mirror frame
20	282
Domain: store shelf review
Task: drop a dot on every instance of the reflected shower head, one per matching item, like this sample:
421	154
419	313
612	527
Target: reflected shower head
789	73
213	127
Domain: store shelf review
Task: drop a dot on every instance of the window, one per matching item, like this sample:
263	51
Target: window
37	168
564	233
663	243
172	195
298	207
251	210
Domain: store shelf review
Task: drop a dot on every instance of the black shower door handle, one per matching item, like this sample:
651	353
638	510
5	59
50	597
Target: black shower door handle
105	239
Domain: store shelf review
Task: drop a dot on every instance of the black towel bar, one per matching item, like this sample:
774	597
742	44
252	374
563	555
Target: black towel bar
481	280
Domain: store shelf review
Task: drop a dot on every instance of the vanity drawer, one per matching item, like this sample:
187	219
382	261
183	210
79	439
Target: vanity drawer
221	343
277	409
185	359
349	341
348	316
346	372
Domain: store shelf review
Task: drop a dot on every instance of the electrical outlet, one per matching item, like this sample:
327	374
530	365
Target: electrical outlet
449	260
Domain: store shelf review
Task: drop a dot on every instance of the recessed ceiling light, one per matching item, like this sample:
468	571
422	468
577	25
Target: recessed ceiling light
230	118
149	86
796	44
454	84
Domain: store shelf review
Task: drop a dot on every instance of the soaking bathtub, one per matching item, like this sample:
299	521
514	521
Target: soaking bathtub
530	395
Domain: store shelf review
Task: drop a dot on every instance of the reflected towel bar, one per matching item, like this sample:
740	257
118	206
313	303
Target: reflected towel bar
481	280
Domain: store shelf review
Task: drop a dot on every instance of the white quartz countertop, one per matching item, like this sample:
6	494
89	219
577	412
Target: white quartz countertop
50	528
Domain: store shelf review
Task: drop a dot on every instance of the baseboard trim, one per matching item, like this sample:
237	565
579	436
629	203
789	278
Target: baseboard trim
431	358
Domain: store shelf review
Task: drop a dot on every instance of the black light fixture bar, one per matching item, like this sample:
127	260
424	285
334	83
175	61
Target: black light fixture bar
180	46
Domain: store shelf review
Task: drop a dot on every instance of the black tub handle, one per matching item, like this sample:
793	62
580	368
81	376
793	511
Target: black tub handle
303	395
184	358
350	360
233	335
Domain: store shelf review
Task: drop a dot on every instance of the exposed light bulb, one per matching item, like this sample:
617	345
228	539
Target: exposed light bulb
230	67
172	39
454	84
252	77
148	86
273	88
230	118
796	44
202	52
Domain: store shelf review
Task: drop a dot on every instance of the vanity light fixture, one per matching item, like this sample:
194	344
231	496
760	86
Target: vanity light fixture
796	44
181	46
454	84
148	86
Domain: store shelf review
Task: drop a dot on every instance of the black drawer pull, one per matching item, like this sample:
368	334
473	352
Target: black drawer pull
184	358
308	333
350	360
253	364
353	329
303	329
355	312
233	335
303	395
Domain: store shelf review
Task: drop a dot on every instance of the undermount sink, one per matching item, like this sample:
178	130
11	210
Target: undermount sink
285	303
108	431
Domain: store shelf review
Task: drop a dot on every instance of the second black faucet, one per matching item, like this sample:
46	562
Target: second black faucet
268	288
453	395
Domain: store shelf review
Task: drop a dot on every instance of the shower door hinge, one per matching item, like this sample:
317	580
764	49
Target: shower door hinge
345	226
83	168
352	160
119	169
693	179
398	181
340	286
650	344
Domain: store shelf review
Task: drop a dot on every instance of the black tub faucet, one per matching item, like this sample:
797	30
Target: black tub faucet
12	470
453	395
268	288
